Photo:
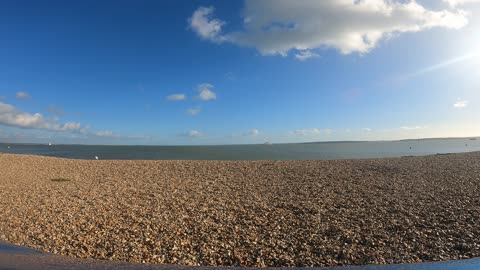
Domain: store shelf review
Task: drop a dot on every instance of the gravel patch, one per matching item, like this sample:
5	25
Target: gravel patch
245	213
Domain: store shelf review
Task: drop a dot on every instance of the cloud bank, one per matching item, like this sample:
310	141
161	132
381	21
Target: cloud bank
11	116
455	3
276	27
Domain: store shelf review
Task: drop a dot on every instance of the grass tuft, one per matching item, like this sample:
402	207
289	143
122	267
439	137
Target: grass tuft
60	179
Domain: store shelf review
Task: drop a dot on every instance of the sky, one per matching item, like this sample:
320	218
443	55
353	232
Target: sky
235	72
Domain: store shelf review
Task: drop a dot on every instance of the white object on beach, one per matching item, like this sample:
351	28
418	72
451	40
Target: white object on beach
96	157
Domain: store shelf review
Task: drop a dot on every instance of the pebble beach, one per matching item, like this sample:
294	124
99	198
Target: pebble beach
245	213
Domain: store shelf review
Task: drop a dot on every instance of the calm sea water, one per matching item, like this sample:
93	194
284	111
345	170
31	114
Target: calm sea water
296	151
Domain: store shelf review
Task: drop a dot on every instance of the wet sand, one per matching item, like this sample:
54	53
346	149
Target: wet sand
245	213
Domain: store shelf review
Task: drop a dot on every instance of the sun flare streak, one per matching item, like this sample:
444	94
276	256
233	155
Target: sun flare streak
444	64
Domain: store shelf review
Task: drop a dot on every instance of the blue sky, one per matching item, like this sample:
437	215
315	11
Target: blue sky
228	72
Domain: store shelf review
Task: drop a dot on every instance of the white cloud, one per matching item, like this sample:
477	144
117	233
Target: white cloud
70	126
253	132
11	116
205	92
311	132
176	97
192	133
455	3
205	27
367	129
306	132
105	133
22	95
193	111
304	55
413	127
279	26
460	104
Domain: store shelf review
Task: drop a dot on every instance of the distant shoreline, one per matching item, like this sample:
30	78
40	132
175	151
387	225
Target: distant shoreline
313	142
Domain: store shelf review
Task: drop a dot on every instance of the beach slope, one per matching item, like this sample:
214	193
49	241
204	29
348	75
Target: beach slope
245	213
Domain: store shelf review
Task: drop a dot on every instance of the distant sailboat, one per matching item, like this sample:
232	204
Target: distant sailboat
49	144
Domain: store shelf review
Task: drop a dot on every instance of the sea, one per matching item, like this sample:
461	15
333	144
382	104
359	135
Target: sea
287	151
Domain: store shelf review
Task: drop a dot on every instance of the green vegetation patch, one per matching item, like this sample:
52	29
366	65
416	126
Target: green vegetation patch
60	179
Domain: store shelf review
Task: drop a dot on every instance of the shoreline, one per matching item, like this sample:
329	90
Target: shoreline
245	213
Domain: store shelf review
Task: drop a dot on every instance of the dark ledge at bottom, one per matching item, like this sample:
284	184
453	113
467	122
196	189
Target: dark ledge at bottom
14	257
